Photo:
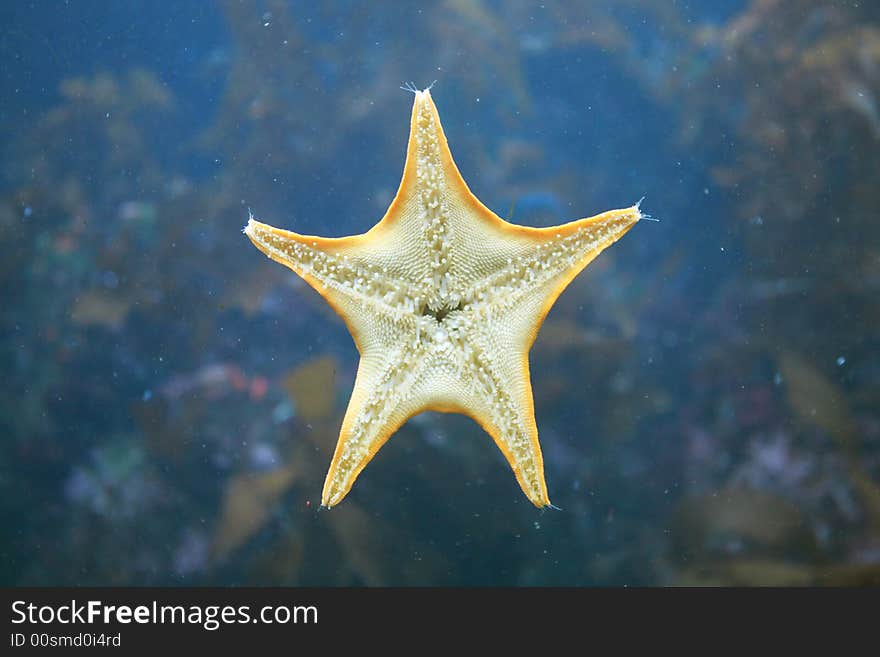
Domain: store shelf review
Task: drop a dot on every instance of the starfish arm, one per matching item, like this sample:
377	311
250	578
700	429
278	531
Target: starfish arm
501	402
435	218
382	400
556	255
430	175
421	216
358	287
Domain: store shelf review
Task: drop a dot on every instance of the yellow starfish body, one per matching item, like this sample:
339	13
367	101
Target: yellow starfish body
443	299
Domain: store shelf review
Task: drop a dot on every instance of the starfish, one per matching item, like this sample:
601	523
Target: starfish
443	299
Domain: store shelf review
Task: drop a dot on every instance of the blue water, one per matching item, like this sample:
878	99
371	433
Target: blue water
705	392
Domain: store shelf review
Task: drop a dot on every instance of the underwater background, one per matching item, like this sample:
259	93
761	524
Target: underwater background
707	392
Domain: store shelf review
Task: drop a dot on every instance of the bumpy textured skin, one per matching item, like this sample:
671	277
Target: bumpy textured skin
443	299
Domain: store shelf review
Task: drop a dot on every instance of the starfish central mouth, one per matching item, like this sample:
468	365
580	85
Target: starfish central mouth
440	313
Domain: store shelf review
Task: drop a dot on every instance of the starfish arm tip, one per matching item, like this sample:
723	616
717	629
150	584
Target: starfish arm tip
331	499
413	89
255	229
250	226
643	215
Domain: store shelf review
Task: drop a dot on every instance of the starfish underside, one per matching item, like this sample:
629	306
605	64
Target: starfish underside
443	299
